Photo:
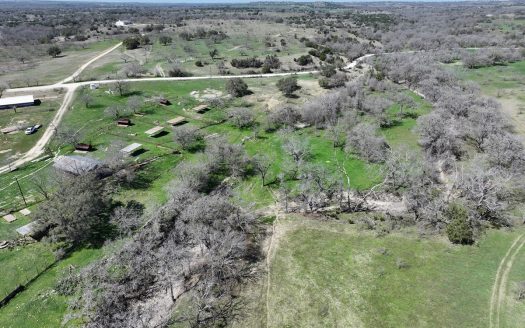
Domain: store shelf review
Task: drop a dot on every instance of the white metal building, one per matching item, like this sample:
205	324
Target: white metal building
122	23
20	101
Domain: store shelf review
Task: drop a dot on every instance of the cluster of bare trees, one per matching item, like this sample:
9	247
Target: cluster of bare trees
441	27
490	57
480	162
196	250
193	253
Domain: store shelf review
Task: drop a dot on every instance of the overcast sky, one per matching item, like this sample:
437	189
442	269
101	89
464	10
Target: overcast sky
235	1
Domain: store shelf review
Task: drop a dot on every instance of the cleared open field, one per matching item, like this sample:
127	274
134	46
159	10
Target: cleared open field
40	305
47	70
244	40
330	274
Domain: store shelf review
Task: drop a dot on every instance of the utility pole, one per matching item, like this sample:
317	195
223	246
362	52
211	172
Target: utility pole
21	192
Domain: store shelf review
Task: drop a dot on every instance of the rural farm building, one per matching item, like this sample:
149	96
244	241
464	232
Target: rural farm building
154	131
76	164
201	108
121	23
129	150
177	120
27	229
20	101
123	122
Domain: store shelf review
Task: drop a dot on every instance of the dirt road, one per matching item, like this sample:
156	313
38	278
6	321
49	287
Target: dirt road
84	66
499	288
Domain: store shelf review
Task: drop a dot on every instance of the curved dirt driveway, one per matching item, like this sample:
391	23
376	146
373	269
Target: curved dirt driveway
500	284
84	66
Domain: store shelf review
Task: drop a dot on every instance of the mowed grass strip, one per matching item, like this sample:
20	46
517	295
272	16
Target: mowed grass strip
22	264
40	305
513	309
331	275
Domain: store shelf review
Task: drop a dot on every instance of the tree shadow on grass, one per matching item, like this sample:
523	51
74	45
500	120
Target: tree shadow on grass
132	93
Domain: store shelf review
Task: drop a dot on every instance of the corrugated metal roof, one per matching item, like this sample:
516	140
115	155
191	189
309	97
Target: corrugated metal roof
131	148
27	229
177	120
154	131
76	164
10	101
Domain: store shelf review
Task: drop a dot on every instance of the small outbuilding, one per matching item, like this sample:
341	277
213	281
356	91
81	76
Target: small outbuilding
122	23
83	147
124	122
164	101
25	211
94	86
76	164
20	101
129	150
27	229
154	131
9	218
179	120
201	108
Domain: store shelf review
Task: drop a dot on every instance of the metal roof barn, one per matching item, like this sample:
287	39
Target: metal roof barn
20	101
76	164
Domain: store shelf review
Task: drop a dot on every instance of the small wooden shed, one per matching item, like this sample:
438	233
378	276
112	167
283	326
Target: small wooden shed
164	101
124	122
83	147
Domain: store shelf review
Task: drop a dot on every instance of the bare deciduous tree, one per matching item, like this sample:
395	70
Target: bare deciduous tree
364	140
262	164
242	117
187	136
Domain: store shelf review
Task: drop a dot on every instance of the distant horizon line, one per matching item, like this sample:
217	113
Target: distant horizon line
219	2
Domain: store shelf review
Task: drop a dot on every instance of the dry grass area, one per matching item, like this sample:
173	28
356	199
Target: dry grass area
333	274
245	39
44	70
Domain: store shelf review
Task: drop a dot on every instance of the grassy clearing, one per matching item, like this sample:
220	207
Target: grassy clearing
402	134
495	78
331	274
8	230
10	198
40	305
513	310
49	70
22	264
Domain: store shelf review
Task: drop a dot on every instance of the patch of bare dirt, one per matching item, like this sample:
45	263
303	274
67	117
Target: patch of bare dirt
207	94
